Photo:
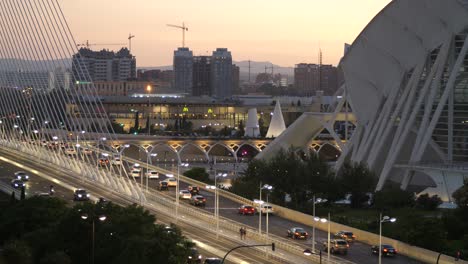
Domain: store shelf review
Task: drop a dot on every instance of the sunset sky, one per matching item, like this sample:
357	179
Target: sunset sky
285	32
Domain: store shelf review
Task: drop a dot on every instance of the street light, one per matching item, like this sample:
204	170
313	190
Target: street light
101	218
325	220
384	219
148	155
216	211
177	187
262	187
316	201
309	252
148	89
121	158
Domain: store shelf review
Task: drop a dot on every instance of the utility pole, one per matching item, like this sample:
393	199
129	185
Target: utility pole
184	28
130	36
320	70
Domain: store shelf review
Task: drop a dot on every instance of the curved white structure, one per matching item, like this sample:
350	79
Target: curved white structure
406	79
251	128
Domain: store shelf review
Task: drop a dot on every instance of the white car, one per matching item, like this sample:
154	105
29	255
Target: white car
87	151
152	174
136	166
135	173
171	182
266	208
21	175
185	194
116	161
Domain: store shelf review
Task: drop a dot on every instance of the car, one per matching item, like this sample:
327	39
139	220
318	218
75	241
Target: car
213	261
70	151
336	246
17	184
194	190
116	161
170	229
102	202
171	182
346	235
297	233
22	175
136	166
81	195
87	151
194	256
198	200
135	173
163	186
185	194
387	250
266	208
152	174
246	210
103	161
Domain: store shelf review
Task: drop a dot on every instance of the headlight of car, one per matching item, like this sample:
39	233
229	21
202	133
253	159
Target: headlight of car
190	257
87	195
79	195
26	177
199	256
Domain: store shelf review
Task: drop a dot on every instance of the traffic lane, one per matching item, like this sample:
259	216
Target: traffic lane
36	185
358	252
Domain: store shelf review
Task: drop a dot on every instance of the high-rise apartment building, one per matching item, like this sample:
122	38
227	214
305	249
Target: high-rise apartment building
235	79
183	68
309	78
104	65
201	76
221	73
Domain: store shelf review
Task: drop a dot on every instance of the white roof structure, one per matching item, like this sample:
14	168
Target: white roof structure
251	127
277	125
406	79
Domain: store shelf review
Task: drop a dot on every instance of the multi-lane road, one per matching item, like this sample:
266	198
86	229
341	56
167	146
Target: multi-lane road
358	253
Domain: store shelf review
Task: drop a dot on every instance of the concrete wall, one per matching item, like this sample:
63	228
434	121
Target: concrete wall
423	255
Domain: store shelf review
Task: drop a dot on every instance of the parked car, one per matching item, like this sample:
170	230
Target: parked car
185	194
198	200
22	175
152	174
81	195
135	173
246	210
213	261
17	184
337	246
194	190
387	250
163	186
194	256
297	233
103	161
266	208
346	235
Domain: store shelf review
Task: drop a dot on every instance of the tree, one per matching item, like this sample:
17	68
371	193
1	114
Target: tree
357	180
117	128
136	127
427	202
58	257
393	197
298	102
12	197
198	174
17	252
241	129
461	196
23	193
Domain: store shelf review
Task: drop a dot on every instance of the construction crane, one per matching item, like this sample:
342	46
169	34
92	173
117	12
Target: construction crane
130	36
184	28
87	44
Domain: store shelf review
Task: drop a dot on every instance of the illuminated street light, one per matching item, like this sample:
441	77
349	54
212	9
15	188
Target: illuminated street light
384	219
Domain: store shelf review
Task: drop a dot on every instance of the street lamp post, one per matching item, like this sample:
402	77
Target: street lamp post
324	220
148	155
121	158
316	201
260	202
383	220
177	187
101	218
148	89
217	201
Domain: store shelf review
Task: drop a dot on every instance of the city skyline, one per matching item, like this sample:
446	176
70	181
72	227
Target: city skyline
255	30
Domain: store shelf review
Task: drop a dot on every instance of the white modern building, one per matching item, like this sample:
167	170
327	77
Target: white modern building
406	80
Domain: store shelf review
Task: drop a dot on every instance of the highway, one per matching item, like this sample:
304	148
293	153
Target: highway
206	241
358	253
